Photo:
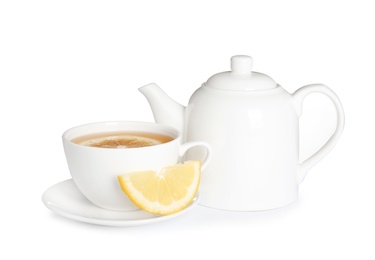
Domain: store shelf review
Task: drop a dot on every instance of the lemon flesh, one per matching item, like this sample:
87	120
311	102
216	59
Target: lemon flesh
163	192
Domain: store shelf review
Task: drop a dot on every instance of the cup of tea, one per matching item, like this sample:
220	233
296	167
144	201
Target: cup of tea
97	153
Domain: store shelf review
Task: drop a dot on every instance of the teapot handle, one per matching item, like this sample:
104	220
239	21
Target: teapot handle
298	98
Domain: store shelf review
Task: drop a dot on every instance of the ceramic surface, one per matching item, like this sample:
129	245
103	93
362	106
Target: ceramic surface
65	199
252	126
95	170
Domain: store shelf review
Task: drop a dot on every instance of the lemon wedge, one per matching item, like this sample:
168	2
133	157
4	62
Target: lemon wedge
163	192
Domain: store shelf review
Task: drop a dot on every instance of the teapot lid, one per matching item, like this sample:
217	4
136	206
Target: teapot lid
241	77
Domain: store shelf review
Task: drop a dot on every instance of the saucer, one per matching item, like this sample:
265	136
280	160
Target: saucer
66	200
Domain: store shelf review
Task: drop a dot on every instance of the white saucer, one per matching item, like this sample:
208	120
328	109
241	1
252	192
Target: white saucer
66	200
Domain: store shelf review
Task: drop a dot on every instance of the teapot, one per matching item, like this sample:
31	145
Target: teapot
252	126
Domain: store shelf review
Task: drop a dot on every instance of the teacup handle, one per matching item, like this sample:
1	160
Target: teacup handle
298	98
186	146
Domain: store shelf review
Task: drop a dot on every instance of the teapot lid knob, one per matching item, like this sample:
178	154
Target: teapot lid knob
241	77
241	64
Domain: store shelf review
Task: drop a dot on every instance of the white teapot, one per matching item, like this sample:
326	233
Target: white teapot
252	125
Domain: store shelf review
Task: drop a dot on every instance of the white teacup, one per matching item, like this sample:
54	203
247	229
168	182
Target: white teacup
95	170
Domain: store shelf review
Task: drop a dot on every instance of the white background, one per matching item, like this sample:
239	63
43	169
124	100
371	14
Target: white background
65	63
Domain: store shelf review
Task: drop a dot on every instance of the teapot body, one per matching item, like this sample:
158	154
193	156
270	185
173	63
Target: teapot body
254	141
252	127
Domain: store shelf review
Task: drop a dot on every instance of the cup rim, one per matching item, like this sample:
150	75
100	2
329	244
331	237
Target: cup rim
175	137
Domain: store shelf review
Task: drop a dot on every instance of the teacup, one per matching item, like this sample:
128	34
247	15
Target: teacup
98	152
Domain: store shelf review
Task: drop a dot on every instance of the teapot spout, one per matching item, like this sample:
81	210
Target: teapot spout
165	110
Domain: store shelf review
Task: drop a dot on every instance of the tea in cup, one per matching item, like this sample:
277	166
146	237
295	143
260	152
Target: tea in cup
98	153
